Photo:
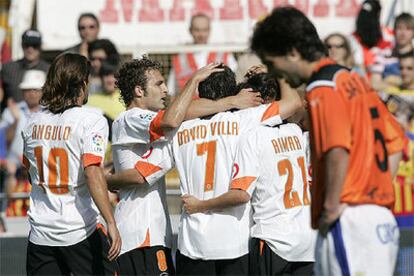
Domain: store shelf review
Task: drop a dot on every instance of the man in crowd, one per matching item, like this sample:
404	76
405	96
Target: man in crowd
64	146
13	120
185	64
12	72
356	147
88	28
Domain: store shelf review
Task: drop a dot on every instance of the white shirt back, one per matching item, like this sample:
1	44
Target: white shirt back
57	147
203	151
272	168
141	214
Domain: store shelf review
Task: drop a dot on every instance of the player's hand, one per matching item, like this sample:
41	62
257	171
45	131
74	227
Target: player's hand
115	241
256	69
247	98
191	204
204	72
329	217
14	109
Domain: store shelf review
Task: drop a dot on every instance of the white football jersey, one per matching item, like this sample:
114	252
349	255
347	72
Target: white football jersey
141	214
57	148
203	151
271	167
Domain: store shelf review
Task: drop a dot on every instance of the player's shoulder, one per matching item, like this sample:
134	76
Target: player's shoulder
326	76
86	114
136	114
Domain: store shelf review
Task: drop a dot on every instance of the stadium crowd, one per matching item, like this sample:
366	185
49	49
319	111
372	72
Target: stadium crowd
266	159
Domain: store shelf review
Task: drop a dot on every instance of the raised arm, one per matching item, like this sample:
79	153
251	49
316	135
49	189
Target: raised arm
203	107
99	192
290	101
176	111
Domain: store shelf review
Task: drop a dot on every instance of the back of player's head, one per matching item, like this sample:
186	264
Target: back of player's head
263	83
286	29
66	78
218	85
132	74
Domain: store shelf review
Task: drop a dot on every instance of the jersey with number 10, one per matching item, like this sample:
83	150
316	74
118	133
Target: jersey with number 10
57	148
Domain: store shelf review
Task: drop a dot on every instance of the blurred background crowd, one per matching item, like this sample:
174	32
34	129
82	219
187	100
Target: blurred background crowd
374	38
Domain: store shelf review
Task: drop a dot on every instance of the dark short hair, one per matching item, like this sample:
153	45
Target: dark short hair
218	85
67	76
112	54
283	30
90	15
107	69
264	83
132	74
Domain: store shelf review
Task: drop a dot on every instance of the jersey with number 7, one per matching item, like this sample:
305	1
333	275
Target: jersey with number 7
203	151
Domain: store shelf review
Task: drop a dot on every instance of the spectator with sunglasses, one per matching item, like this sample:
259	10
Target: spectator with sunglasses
88	27
340	51
100	51
12	72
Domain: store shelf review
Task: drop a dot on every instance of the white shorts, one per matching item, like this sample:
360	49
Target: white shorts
364	241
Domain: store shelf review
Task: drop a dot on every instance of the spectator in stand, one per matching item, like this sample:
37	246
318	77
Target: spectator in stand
88	27
99	51
404	44
340	51
14	118
371	43
185	64
400	99
12	72
108	100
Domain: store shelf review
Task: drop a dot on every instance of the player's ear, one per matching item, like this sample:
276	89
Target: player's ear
139	92
294	55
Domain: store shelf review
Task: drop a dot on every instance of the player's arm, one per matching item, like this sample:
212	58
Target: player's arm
176	111
95	180
230	199
336	166
242	185
203	107
290	101
123	179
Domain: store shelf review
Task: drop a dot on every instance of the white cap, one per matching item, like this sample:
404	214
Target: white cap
33	79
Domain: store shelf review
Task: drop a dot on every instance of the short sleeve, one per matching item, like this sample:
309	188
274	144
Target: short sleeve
156	162
145	127
246	165
95	141
330	119
267	114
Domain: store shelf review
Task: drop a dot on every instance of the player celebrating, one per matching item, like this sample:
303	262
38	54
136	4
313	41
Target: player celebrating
142	214
64	146
271	171
203	151
356	146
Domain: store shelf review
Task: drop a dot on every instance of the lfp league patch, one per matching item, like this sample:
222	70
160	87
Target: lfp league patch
98	143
